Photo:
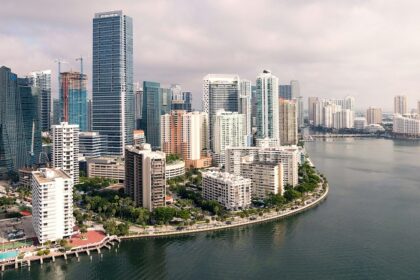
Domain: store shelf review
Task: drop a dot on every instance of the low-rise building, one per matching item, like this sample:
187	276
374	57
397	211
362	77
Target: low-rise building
106	167
175	169
231	191
52	204
407	125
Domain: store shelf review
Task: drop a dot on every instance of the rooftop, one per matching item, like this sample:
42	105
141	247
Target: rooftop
45	175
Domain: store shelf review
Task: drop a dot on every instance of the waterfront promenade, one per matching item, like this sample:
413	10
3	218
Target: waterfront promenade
137	232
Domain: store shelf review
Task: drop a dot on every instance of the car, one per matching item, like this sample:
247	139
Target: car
253	218
229	222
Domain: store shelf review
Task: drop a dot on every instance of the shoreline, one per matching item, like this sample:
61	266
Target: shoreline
271	217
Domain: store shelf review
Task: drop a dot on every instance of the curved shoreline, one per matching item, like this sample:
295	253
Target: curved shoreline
258	220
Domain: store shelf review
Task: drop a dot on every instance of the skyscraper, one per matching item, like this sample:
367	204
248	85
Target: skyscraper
244	107
65	152
156	102
300	111
285	92
112	79
220	91
374	115
145	180
73	99
13	152
228	131
267	105
30	106
288	129
138	104
42	80
311	113
295	88
400	104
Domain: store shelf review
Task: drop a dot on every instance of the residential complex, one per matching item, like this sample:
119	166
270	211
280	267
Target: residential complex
52	204
374	115
400	105
267	105
231	191
65	151
288	122
406	125
145	179
175	169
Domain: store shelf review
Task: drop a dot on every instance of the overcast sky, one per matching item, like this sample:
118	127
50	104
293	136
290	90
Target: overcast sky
368	49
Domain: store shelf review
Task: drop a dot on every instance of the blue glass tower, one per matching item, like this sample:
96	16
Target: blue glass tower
12	140
73	99
112	79
156	102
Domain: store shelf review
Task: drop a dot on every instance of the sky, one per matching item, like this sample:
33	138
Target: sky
366	48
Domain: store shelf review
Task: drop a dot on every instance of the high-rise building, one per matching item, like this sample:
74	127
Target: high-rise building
244	108
73	99
171	128
295	88
112	79
138	100
343	119
288	131
30	108
220	91
42	80
231	191
145	180
374	115
285	92
89	114
266	177
267	105
324	112
311	109
228	132
13	151
156	102
65	151
253	108
92	144
300	112
56	111
400	104
52	204
418	108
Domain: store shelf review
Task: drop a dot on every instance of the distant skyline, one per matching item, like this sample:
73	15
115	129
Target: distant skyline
368	49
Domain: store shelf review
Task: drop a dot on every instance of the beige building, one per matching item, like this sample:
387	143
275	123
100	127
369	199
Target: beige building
374	115
266	177
145	179
106	167
400	105
288	125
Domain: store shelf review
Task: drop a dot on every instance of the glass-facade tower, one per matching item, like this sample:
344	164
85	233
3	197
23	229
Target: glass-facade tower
112	79
42	80
156	102
73	99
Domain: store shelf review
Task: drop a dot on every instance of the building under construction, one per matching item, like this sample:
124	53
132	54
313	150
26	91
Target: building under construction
73	99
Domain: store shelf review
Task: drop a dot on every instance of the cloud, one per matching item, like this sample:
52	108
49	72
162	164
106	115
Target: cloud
369	49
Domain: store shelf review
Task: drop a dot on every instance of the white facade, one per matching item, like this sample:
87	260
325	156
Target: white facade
228	132
359	123
244	107
231	191
65	151
52	204
289	156
106	167
194	135
324	112
175	169
215	79
267	105
343	119
407	125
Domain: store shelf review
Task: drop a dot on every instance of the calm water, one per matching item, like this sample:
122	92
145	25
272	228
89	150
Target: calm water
368	228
